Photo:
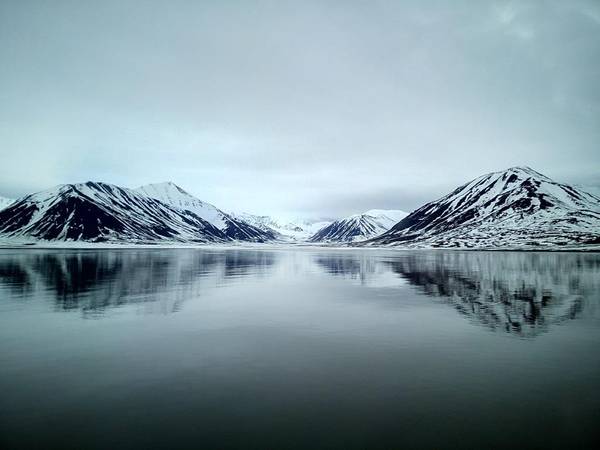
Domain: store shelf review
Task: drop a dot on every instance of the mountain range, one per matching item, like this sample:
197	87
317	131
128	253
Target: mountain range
295	230
514	208
100	212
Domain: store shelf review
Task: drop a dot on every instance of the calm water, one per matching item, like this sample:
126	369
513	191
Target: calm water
298	349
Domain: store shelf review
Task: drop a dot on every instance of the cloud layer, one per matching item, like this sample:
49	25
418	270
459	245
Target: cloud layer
314	108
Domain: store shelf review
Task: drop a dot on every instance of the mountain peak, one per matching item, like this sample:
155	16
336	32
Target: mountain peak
165	187
516	205
74	190
95	211
359	227
171	194
390	213
519	169
522	172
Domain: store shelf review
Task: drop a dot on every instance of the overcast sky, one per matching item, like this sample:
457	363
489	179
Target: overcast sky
310	108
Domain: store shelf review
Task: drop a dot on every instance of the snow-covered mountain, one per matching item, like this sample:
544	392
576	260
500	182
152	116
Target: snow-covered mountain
286	229
4	202
99	212
359	226
517	207
232	227
514	208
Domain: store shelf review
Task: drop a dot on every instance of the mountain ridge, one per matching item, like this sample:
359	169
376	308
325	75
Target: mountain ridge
517	206
101	212
358	227
513	208
296	230
173	195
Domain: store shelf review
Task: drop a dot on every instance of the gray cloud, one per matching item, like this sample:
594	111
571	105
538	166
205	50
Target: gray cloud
324	108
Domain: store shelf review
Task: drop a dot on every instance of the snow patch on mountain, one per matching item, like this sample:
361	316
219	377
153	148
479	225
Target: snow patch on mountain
287	229
173	195
4	202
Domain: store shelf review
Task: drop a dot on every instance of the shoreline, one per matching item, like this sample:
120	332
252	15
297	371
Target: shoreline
276	246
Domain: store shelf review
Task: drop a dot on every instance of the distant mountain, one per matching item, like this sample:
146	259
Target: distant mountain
517	207
232	227
100	212
4	202
359	226
294	229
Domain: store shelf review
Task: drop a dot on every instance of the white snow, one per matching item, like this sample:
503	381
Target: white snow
359	227
291	229
173	195
4	202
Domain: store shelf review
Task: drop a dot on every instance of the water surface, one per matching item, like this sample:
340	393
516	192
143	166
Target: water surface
198	348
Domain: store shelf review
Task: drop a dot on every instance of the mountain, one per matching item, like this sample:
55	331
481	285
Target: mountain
232	227
517	207
359	226
4	202
98	212
286	229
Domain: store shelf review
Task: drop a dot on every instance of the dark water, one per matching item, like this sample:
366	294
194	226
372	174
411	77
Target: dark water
299	349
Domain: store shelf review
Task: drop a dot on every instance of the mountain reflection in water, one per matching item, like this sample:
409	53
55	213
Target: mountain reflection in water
298	348
517	292
521	293
94	281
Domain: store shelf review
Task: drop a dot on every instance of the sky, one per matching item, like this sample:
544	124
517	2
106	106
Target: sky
314	109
